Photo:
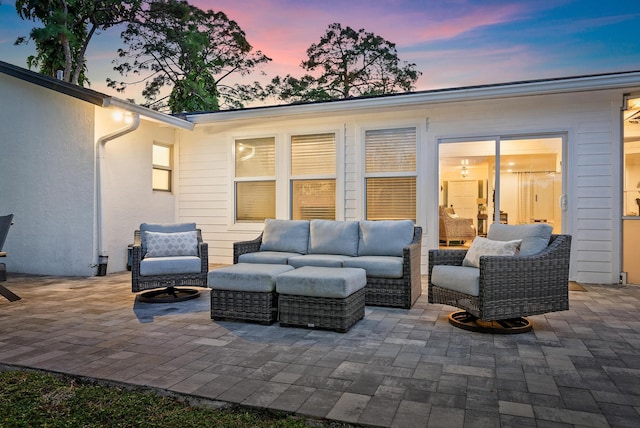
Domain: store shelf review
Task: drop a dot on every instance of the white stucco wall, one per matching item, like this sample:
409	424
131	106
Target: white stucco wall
591	121
129	199
46	179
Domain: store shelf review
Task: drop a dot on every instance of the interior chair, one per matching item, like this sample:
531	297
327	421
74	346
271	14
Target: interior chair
454	228
5	223
496	285
165	257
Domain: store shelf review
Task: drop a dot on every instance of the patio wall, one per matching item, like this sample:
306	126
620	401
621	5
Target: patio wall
590	119
46	179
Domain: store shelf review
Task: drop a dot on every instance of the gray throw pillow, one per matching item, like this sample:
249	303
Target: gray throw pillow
172	244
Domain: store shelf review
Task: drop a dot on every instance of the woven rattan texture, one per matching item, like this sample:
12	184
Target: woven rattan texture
511	287
321	312
244	306
141	283
394	292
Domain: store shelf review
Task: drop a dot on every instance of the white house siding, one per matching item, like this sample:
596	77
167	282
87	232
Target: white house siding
46	179
129	197
591	165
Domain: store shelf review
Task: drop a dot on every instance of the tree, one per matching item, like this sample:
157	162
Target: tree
193	51
350	64
68	26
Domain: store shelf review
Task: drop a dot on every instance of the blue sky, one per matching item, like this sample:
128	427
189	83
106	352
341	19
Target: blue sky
454	42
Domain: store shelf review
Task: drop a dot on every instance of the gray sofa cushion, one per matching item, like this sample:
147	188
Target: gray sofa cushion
315	281
535	237
381	266
151	266
384	237
269	257
457	278
290	236
333	237
326	260
252	277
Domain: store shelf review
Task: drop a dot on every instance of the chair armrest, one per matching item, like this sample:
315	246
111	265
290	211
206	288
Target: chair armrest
519	276
443	257
244	247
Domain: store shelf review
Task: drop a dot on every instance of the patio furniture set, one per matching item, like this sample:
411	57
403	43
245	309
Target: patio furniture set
322	273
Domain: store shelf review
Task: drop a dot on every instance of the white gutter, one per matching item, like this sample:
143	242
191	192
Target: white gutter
100	145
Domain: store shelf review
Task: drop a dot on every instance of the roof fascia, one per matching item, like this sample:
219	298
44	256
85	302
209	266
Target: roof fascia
508	90
93	97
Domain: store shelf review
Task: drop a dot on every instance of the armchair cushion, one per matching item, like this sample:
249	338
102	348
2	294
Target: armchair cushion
535	237
384	237
487	247
172	244
457	278
333	237
152	266
291	236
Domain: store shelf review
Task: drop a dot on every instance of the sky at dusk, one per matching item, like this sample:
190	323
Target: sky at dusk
453	43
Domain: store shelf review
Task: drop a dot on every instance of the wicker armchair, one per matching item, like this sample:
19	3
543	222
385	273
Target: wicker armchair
166	272
453	228
510	287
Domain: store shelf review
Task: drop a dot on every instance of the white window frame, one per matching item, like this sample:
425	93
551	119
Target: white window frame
398	174
158	167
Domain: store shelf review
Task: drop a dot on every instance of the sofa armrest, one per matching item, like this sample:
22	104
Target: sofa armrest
411	264
244	247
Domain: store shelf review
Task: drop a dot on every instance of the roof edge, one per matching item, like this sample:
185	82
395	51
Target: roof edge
89	95
469	93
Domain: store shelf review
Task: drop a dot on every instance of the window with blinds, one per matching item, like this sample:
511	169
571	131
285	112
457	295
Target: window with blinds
313	177
255	182
390	174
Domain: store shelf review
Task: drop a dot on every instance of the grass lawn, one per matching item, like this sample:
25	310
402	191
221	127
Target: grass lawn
30	399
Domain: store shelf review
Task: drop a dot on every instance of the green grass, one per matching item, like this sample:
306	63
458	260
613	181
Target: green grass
29	399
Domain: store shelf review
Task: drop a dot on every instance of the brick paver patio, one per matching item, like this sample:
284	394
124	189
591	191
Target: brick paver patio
400	368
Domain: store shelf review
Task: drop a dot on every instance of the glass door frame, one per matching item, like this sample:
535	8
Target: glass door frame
497	140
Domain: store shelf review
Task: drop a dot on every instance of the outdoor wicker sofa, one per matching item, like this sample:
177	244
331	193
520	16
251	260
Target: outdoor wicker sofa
184	263
371	245
535	281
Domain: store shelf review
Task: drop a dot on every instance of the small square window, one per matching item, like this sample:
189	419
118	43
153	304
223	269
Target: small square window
162	171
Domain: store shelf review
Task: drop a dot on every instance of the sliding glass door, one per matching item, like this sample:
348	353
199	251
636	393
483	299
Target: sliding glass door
512	180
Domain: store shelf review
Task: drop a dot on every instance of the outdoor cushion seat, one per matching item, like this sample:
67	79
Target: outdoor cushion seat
320	260
458	278
321	297
267	257
245	292
321	282
379	266
169	265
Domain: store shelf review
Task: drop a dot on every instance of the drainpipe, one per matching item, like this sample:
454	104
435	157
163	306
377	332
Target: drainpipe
100	146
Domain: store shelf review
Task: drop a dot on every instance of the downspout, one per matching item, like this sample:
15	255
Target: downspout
100	146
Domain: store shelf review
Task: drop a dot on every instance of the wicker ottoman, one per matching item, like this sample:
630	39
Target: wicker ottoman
245	292
321	297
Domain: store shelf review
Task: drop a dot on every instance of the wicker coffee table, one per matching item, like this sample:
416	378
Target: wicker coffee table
321	297
245	292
